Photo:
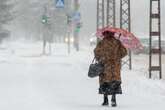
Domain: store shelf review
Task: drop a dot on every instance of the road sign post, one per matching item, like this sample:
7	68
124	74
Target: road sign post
76	20
69	22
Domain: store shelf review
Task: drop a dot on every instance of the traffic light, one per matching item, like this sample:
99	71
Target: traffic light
78	26
77	30
69	19
44	19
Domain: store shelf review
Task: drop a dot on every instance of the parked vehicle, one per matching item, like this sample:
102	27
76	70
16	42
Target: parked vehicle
145	43
155	44
67	39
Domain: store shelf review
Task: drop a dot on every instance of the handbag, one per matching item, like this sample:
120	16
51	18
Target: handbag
95	69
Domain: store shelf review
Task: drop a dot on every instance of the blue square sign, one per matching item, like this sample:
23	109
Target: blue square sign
60	3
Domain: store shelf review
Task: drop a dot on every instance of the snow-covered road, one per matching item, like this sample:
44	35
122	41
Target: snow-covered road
30	81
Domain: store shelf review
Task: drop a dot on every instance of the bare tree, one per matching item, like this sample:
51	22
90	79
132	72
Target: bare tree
5	17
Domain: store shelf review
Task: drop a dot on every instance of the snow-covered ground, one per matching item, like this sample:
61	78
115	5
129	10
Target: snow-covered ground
31	81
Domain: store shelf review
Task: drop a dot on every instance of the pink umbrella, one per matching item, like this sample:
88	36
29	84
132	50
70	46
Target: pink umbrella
126	38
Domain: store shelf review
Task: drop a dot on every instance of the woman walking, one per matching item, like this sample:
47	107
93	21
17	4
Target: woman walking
110	51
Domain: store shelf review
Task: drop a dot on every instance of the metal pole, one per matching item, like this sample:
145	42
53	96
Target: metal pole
44	32
129	20
100	14
150	39
68	42
76	34
111	13
125	22
159	27
153	33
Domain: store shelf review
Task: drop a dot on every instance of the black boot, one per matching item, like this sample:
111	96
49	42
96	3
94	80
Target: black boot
113	101
105	103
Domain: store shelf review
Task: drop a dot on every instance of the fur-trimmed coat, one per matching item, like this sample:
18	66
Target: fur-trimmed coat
110	52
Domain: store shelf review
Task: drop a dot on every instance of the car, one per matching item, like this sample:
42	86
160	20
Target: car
145	43
71	39
155	44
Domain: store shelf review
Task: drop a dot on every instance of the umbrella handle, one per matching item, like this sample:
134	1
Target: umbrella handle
119	35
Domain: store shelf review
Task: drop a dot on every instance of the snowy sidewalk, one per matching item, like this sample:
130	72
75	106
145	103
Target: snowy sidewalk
29	81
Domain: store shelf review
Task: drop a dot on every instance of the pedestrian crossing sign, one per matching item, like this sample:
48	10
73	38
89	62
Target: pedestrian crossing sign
60	3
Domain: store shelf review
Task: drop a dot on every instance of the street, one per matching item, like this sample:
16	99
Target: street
31	81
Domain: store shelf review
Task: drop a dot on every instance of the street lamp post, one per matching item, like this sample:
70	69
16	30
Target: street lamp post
77	24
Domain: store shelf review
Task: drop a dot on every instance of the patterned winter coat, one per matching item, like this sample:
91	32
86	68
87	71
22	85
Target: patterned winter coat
110	52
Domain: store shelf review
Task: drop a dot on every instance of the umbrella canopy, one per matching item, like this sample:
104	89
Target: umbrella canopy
126	38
